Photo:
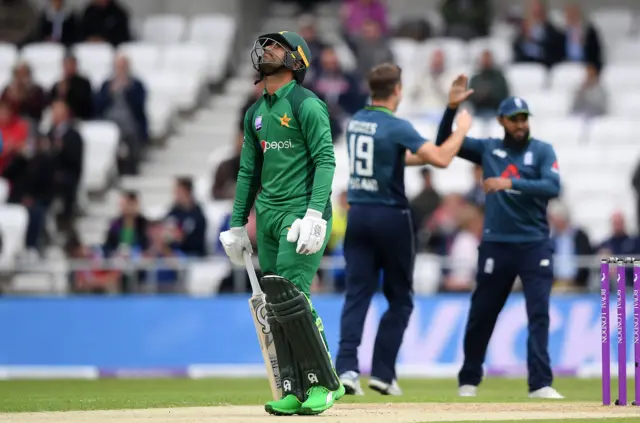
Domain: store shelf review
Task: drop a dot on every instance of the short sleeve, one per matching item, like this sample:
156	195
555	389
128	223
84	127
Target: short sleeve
407	136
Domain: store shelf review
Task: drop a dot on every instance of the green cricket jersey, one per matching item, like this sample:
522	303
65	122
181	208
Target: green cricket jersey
287	153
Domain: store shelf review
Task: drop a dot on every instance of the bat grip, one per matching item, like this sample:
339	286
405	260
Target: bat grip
255	286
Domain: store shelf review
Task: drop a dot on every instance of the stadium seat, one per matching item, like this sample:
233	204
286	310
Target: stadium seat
189	60
457	178
613	22
215	212
183	92
625	51
525	78
549	103
45	60
164	29
160	112
204	278
4	190
610	130
101	140
217	33
405	52
501	50
92	56
455	50
5	79
565	131
144	58
8	57
621	77
566	76
13	225
624	104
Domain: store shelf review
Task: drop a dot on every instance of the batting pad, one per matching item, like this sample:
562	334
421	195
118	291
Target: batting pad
290	375
292	311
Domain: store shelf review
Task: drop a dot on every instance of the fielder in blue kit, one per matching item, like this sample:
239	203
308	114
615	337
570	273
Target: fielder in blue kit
380	234
520	177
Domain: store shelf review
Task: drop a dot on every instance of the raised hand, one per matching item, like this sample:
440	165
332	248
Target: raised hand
459	92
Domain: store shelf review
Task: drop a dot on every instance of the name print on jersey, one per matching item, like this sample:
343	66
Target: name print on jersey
361	162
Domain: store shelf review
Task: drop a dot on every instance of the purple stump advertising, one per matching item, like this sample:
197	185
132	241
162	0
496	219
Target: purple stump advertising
636	329
604	332
622	333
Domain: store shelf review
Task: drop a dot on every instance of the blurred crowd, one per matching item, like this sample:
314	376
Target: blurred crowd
451	225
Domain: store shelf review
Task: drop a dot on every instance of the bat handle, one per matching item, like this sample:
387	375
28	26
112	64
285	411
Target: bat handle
255	286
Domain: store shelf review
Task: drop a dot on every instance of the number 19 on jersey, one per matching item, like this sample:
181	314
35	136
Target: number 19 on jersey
361	163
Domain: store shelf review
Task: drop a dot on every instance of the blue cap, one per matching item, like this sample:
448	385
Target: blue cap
512	106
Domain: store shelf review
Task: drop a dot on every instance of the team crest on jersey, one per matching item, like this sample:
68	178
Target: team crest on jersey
258	123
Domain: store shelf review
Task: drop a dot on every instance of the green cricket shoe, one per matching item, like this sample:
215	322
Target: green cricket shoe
286	406
318	400
339	393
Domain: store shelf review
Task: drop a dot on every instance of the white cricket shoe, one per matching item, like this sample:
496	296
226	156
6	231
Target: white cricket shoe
385	388
351	382
546	393
467	391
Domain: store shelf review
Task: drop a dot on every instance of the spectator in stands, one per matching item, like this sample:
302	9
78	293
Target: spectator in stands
87	275
570	242
425	93
58	24
75	89
31	178
489	87
187	220
463	257
582	38
18	21
307	28
443	225
68	148
467	19
224	180
106	21
165	275
339	90
24	95
620	243
591	99
371	48
14	132
355	14
122	99
129	230
476	194
426	203
539	40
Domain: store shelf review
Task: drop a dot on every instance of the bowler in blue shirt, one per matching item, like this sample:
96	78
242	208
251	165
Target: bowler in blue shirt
521	176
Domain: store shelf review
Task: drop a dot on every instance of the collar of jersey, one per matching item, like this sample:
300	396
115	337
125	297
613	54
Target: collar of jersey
280	92
379	109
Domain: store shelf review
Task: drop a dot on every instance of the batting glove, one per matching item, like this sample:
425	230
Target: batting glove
309	232
235	241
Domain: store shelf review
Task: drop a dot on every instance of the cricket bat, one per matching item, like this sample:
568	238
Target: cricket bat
265	337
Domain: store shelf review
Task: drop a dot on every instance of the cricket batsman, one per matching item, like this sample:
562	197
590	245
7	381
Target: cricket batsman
286	166
520	177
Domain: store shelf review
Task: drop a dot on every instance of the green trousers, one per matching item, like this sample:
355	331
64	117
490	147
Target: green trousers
277	255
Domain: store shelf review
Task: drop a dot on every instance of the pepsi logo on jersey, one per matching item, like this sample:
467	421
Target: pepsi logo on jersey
275	145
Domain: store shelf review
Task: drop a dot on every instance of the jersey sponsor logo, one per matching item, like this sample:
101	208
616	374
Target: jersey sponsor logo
555	168
500	153
284	120
511	172
258	123
528	158
275	145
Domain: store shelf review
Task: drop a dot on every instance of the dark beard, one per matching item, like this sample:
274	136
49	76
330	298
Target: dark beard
270	68
516	143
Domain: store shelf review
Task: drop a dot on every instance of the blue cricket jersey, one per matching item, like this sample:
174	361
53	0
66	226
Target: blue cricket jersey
518	214
377	142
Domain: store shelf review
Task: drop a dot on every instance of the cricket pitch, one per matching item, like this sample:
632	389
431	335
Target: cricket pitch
342	413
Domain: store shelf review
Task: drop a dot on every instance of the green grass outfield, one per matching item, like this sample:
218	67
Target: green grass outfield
67	395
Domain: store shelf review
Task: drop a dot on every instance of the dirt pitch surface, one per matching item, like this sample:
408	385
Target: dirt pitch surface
341	413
